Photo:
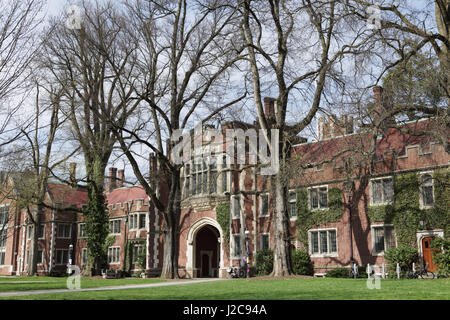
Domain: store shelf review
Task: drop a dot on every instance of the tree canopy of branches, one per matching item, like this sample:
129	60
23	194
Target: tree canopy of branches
301	45
19	20
186	50
95	66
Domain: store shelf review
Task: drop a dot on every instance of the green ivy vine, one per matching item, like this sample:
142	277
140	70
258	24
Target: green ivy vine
127	266
405	212
223	218
308	219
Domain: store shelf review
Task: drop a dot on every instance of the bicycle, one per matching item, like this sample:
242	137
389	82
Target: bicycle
238	272
423	273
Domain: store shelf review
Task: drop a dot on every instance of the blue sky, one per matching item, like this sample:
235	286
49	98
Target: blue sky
54	6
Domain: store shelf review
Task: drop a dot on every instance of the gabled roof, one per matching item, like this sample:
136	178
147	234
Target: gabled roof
61	193
122	195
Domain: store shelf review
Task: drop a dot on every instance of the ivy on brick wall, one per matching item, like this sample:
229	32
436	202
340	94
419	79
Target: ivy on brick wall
127	267
440	215
405	213
223	218
381	213
308	219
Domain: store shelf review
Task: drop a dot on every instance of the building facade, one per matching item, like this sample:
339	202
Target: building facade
351	196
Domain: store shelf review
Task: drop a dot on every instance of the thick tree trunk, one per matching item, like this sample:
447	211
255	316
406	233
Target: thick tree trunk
172	220
170	261
96	216
282	264
33	250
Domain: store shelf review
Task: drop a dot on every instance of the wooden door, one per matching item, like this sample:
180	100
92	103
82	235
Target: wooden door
428	254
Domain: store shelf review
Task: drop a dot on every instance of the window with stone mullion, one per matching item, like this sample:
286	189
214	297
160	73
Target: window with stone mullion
427	190
212	176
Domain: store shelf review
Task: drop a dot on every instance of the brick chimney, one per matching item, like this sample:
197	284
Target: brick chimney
380	108
269	107
112	179
120	178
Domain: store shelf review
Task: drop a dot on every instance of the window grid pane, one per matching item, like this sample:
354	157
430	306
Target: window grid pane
390	238
264	242
142	221
314	199
264	205
2	238
377	192
427	195
323	242
388	190
224	181
379	239
292	209
237	245
236	207
315	242
323	198
332	239
213	182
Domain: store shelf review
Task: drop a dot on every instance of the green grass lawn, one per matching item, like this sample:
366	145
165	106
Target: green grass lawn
286	289
43	283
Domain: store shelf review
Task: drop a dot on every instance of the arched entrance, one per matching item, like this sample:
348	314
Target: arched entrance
207	252
204	249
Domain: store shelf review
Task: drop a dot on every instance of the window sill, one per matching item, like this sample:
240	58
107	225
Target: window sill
380	204
318	255
377	254
320	209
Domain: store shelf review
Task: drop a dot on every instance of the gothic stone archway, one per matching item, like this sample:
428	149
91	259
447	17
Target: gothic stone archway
204	249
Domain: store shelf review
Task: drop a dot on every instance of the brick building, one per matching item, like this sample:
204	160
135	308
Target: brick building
344	204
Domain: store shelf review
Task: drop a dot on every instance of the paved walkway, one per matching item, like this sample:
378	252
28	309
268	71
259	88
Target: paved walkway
123	287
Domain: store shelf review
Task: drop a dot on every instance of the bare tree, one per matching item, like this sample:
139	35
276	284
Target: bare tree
19	20
95	66
186	52
35	155
418	22
301	46
408	31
